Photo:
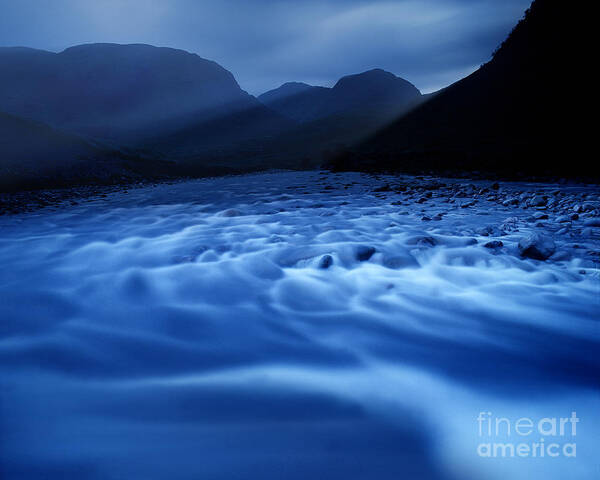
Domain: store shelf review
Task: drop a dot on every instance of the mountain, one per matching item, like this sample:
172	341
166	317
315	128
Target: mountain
375	90
34	155
287	90
297	101
514	115
136	95
334	119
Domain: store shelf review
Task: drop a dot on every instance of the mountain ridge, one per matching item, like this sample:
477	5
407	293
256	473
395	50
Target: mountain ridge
126	94
510	117
371	89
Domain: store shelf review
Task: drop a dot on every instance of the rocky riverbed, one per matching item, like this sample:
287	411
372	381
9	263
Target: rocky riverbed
282	325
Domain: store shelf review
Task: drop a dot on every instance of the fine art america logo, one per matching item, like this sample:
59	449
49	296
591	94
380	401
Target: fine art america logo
527	437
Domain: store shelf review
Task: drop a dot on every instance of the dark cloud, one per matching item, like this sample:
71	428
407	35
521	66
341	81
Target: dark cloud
267	42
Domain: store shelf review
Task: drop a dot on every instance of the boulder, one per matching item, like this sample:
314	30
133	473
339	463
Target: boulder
325	262
592	222
538	201
490	231
364	253
537	246
422	241
400	261
231	213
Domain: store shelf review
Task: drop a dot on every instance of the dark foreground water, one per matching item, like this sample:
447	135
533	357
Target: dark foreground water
189	331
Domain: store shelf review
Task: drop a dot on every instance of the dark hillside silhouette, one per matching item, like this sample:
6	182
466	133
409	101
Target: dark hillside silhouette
133	95
512	116
100	112
331	119
34	155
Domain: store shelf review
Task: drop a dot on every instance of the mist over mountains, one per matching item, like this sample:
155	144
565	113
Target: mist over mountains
127	94
103	111
173	113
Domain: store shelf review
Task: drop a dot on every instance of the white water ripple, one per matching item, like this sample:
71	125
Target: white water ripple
187	331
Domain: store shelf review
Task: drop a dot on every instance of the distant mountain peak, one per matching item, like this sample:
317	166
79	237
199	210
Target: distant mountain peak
375	73
375	89
300	85
139	51
288	89
106	47
109	90
374	79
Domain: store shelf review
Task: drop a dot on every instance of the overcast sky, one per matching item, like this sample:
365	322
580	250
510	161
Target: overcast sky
265	43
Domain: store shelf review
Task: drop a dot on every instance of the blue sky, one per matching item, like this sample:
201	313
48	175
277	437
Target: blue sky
264	43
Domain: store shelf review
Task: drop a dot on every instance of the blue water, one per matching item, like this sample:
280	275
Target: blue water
186	331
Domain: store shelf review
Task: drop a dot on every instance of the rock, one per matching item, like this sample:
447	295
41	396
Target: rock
590	206
561	256
537	246
538	201
495	186
178	259
231	213
325	262
574	217
422	241
540	216
467	203
494	244
592	222
563	219
364	252
276	239
490	231
434	185
398	262
510	224
425	218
